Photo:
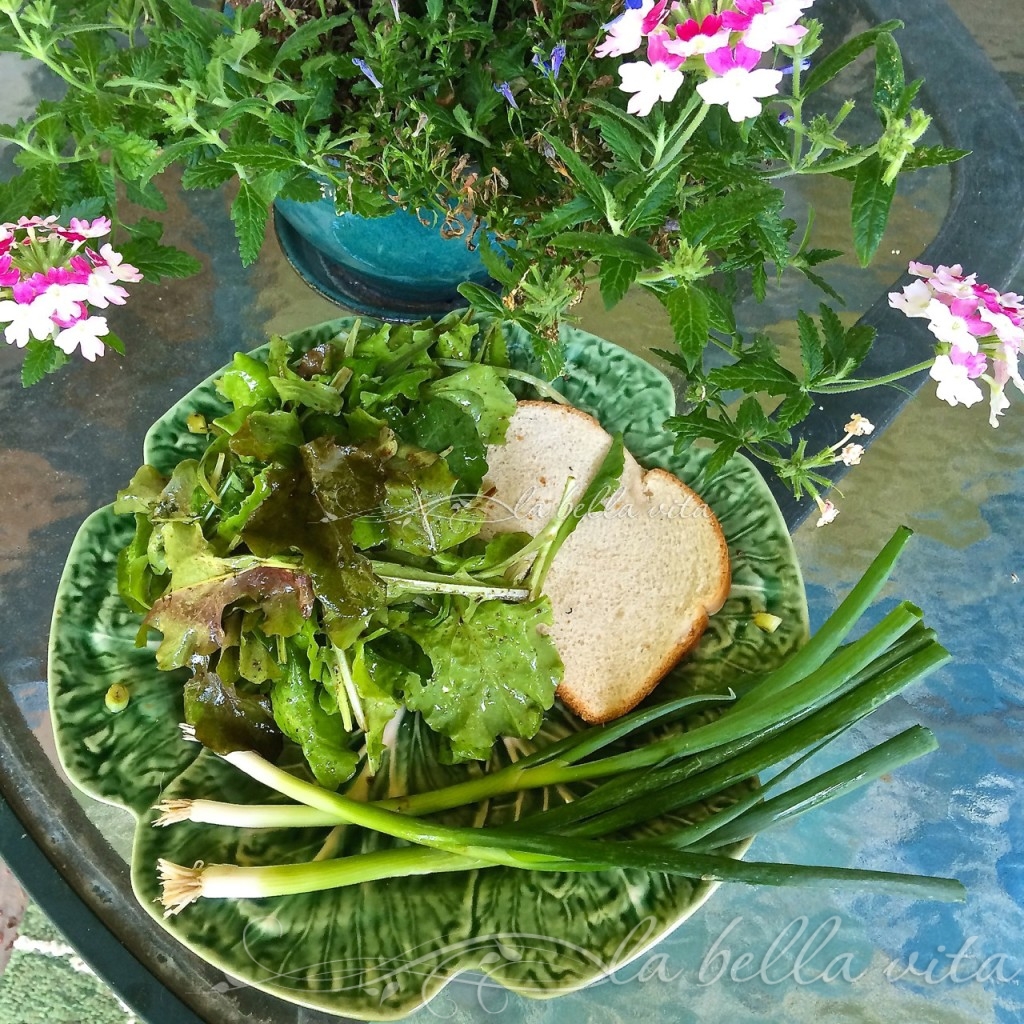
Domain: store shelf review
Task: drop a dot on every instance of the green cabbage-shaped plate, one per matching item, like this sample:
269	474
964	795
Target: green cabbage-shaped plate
379	950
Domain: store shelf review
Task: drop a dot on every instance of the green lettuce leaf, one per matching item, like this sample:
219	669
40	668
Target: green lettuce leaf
495	672
321	736
481	392
421	516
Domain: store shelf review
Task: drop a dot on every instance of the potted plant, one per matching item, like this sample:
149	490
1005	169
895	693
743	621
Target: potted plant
640	144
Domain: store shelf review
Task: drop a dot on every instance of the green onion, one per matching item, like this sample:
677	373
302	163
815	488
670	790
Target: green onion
791	712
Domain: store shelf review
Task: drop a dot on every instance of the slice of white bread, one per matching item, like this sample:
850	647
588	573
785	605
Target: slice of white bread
632	586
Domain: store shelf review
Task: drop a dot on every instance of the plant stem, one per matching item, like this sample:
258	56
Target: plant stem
420	581
863	385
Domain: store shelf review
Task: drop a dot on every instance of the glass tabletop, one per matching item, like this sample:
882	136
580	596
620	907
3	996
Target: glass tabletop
761	954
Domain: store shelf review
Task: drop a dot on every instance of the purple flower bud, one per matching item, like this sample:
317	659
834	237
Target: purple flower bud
365	68
506	90
557	56
785	118
634	5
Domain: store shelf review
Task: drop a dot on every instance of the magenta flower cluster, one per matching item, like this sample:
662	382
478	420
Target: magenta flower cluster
52	275
979	334
722	48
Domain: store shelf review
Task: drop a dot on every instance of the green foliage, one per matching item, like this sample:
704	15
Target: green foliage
564	189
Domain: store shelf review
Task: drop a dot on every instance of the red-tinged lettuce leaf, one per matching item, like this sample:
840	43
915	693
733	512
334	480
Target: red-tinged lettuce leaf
321	736
291	519
226	720
346	480
191	618
495	672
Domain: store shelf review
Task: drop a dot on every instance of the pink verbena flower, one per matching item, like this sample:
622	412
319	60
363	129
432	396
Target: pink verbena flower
693	37
79	230
955	374
626	32
48	284
979	334
766	24
737	85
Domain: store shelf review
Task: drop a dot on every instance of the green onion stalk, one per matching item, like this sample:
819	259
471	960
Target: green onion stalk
791	712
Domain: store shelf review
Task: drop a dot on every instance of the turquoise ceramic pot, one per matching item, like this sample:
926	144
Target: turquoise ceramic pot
395	267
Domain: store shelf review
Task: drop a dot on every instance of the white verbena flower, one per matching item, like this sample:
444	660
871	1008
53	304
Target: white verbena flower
84	335
648	83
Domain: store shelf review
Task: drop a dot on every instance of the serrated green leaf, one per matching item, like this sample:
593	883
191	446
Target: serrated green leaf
622	141
306	37
906	100
41	358
583	175
859	339
88	208
812	257
18	197
870	206
933	156
793	409
634	125
890	79
819	282
259	158
834	333
208	174
691	321
465	122
774	234
759	280
698	424
148	196
621	247
812	356
496	262
249	213
132	153
156	261
301	187
722	219
751	419
562	218
231	49
720	458
721	313
753	375
483	299
651	209
193	20
616	276
846	54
